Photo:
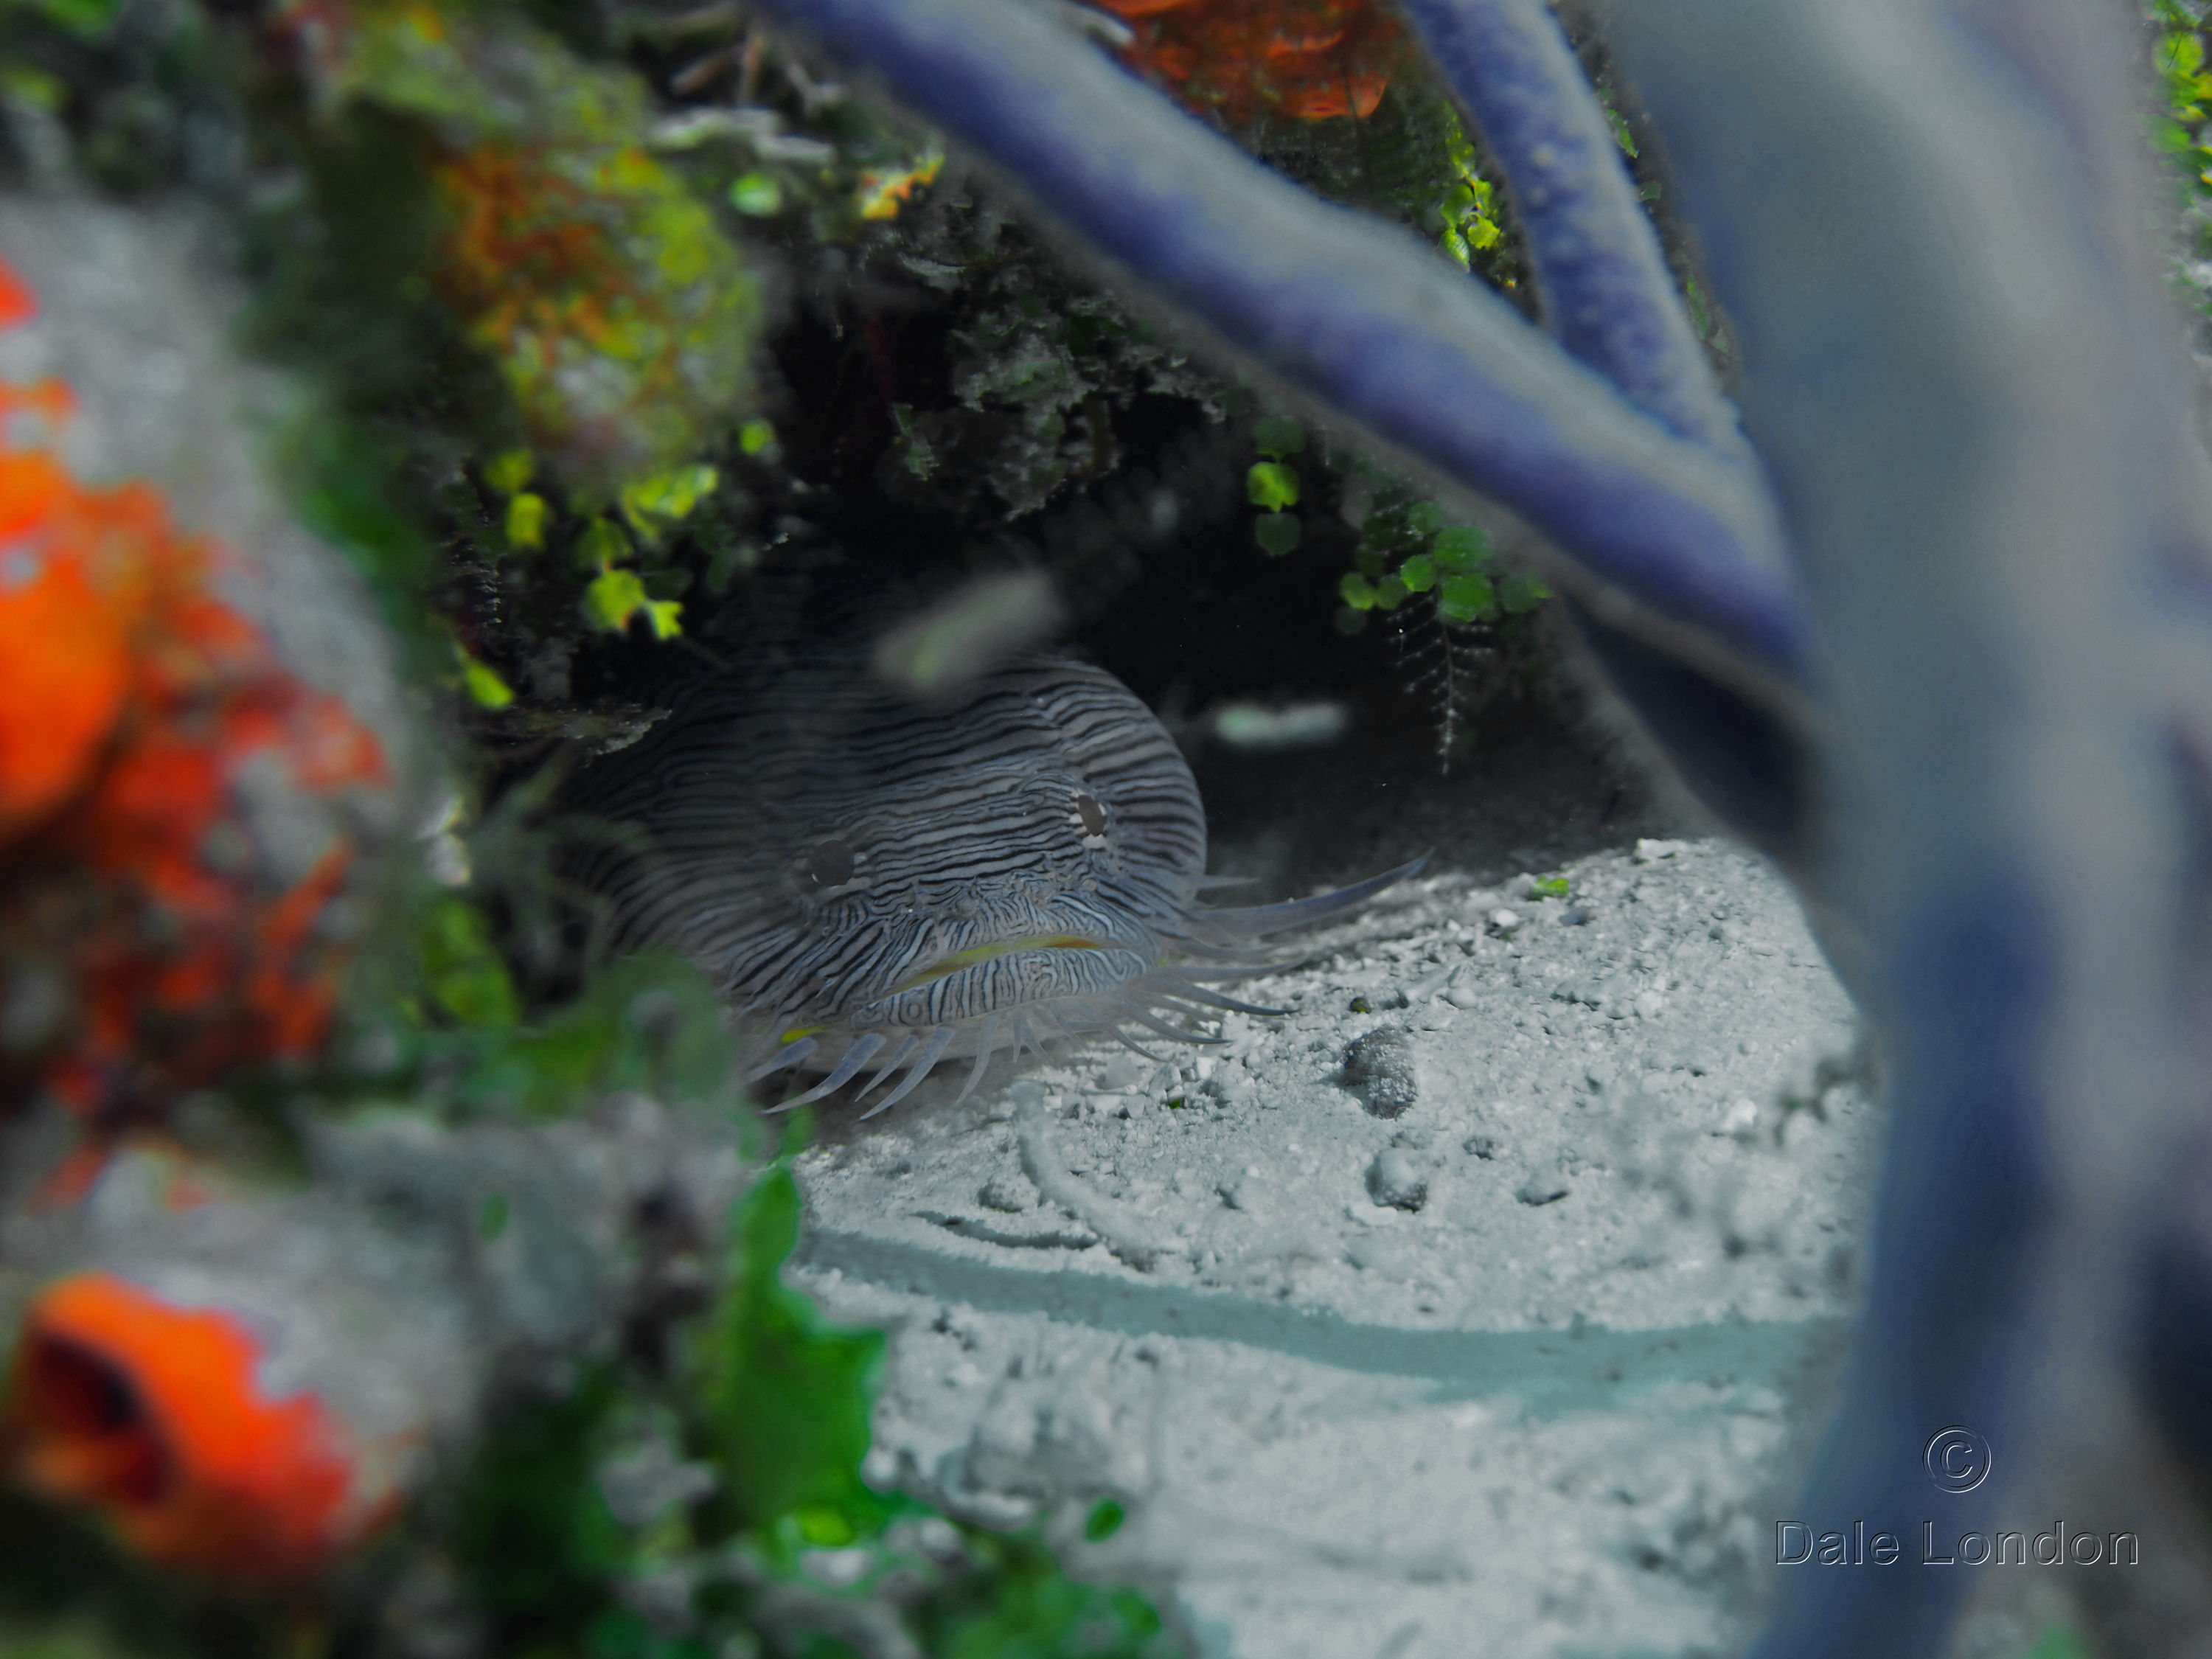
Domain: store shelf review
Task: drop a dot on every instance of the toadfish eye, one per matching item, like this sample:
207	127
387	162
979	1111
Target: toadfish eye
830	864
1092	814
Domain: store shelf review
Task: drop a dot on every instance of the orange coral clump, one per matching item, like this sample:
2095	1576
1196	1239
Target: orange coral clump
534	270
1311	60
141	720
68	663
151	1417
621	316
17	303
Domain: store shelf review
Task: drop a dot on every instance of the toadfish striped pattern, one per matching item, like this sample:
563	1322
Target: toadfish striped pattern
875	881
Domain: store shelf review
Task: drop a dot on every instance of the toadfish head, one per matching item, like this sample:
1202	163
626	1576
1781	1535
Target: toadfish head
875	879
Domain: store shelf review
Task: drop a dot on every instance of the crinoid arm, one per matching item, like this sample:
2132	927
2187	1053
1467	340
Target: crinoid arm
1254	921
1215	883
987	1041
1179	993
863	1049
898	1058
1152	1023
940	1040
1122	1037
791	1054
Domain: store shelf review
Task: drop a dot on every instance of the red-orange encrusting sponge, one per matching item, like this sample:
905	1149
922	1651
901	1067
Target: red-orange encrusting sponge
17	303
1311	60
146	728
153	1416
67	666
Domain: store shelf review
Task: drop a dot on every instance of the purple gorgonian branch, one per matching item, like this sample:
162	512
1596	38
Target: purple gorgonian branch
1606	290
1364	317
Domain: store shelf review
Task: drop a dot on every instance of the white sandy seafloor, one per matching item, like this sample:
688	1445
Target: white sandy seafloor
1528	1369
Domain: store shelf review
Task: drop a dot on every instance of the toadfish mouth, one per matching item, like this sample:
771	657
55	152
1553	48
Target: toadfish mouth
976	955
1018	993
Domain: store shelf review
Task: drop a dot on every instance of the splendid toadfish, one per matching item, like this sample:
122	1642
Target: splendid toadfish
877	879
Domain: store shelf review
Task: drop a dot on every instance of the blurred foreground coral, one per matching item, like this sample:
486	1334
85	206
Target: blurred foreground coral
381	1271
245	1380
465	1338
164	900
148	1414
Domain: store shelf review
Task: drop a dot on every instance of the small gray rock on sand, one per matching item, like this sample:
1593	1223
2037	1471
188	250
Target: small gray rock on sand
1394	1181
1378	1067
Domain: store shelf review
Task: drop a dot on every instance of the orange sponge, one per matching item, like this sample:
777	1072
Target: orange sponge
1310	60
154	1417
